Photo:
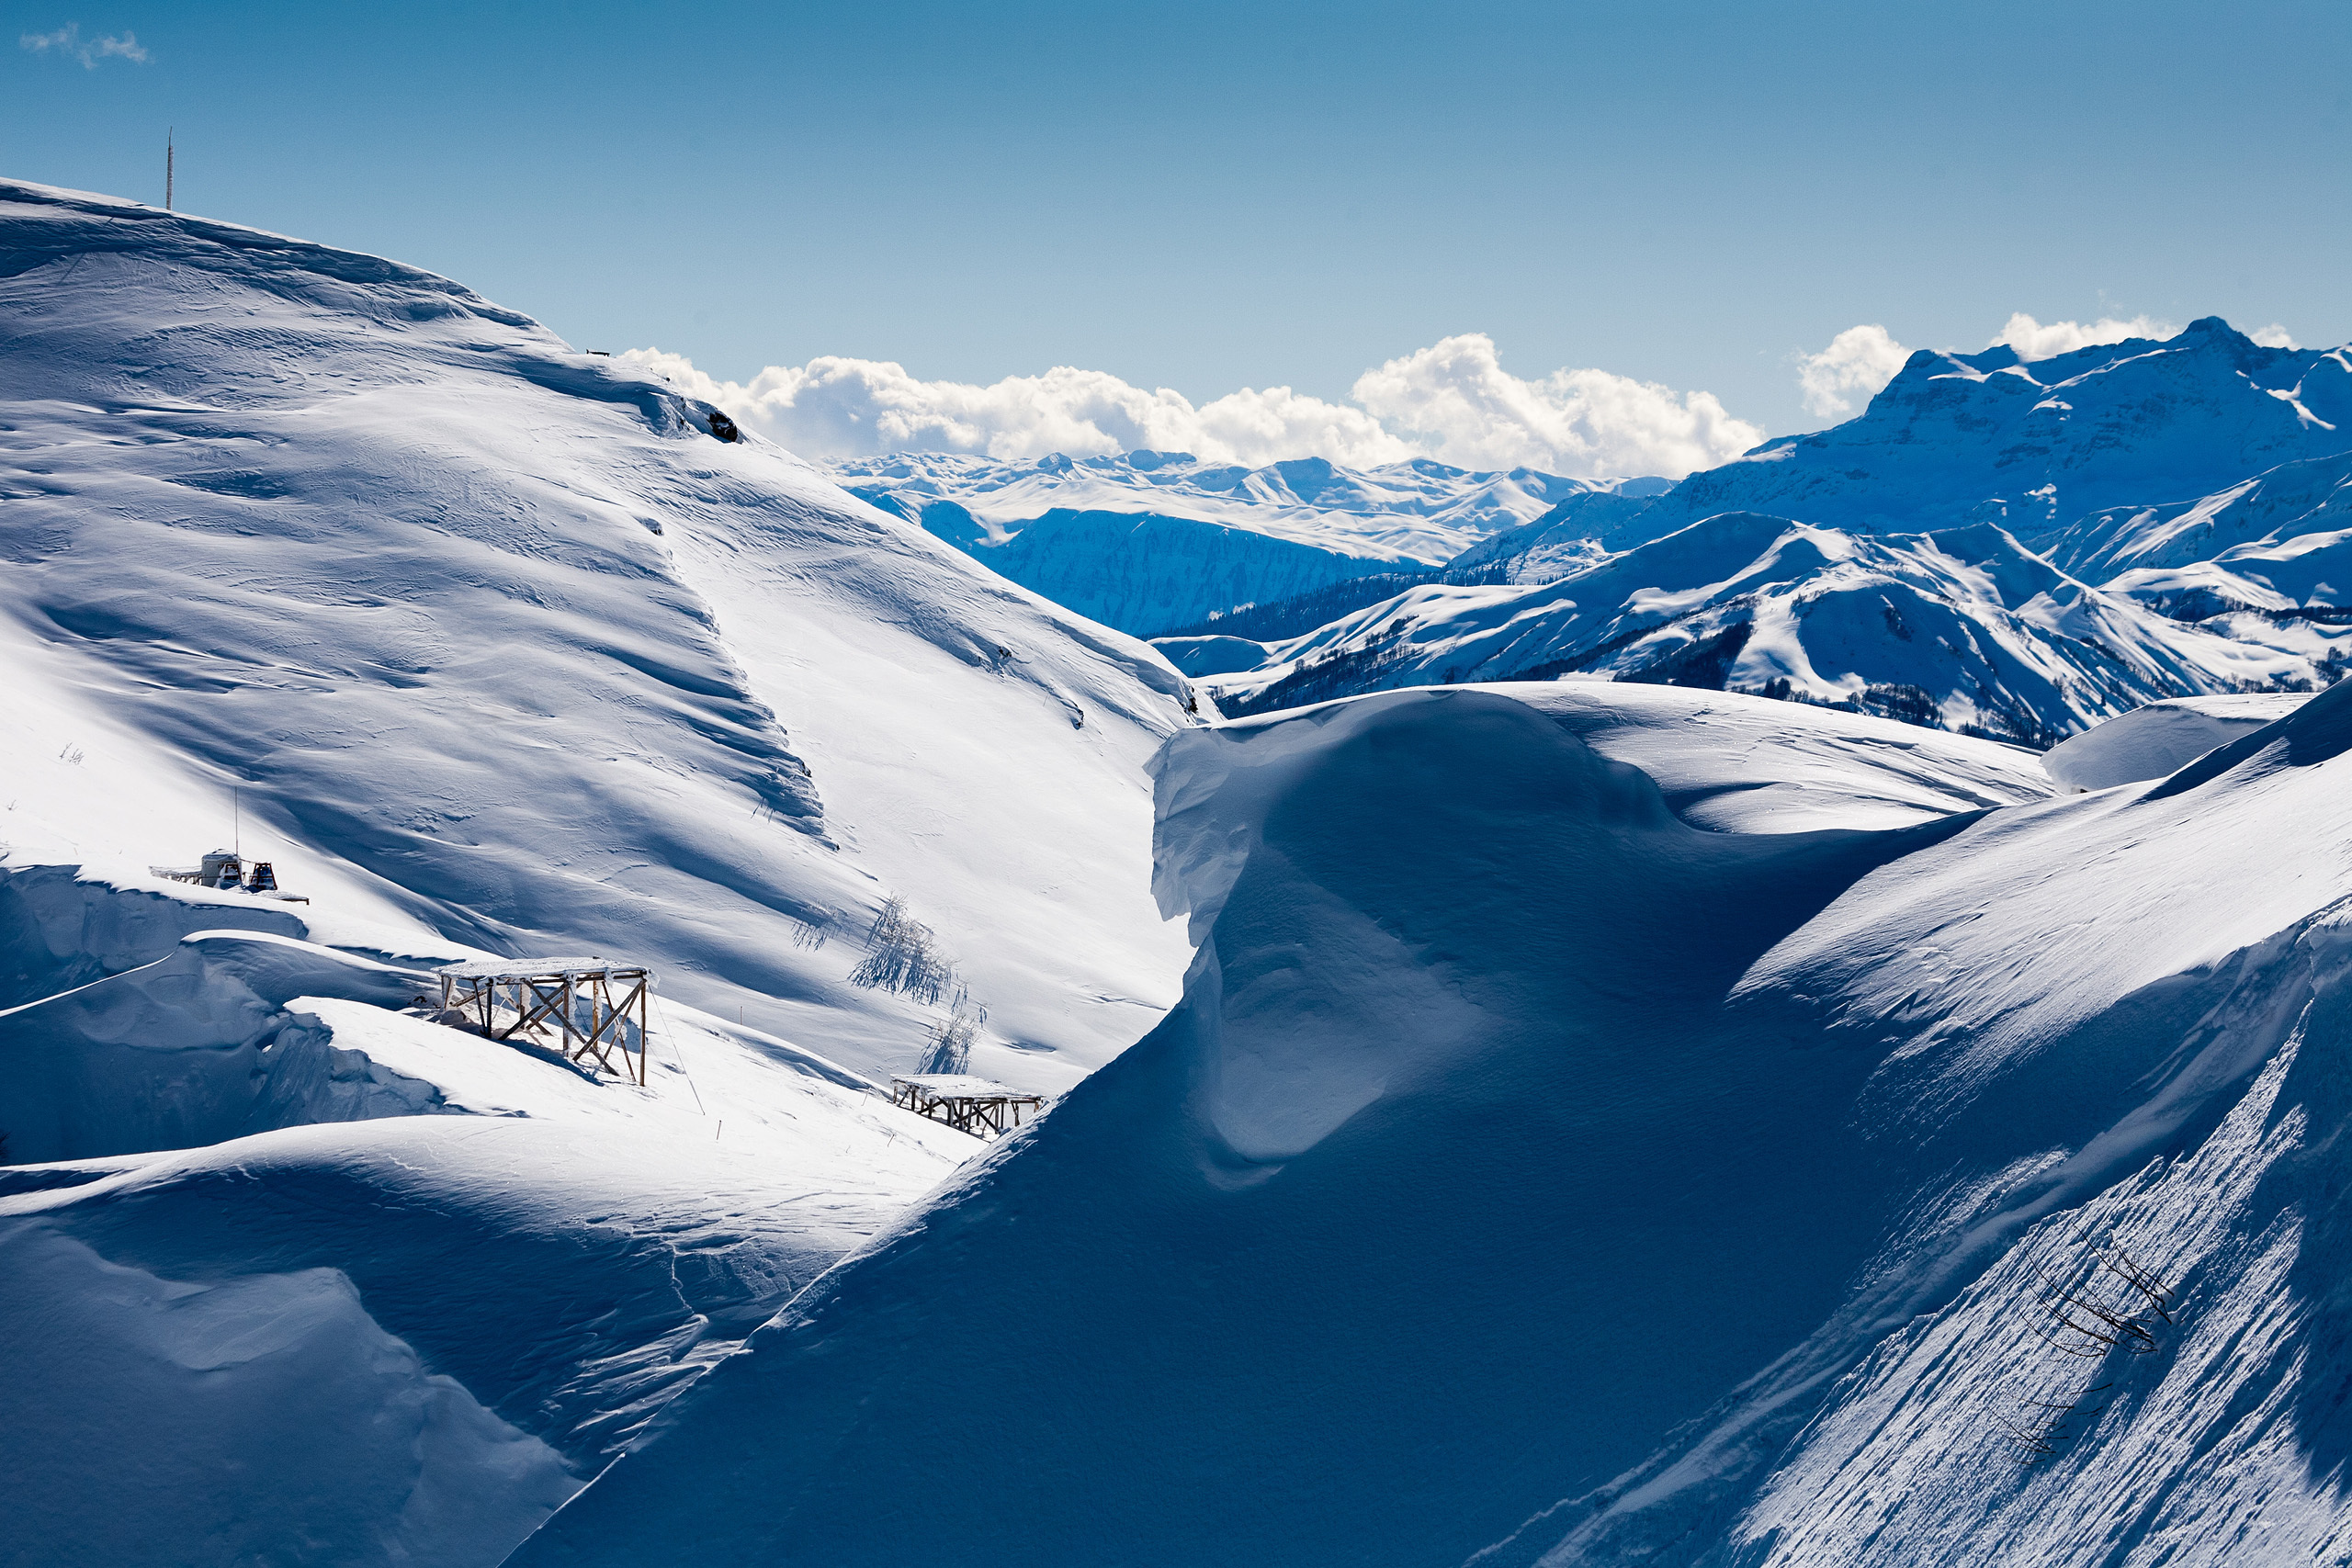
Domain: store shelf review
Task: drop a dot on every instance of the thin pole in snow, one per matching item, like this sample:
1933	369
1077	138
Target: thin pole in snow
237	822
167	169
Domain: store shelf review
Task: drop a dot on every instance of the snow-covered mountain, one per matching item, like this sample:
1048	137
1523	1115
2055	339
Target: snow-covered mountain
502	645
1153	541
2037	446
488	650
1418	510
1961	554
1963	629
1566	1153
1603	1122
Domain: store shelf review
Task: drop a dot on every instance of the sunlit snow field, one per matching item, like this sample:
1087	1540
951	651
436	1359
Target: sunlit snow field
1624	1056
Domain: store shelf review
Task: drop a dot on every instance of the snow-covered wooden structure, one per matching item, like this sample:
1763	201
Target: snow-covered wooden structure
595	1009
971	1105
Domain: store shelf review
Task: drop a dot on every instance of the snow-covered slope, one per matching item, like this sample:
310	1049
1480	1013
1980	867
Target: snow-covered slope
1965	630
2161	737
401	1290
502	645
1532	1175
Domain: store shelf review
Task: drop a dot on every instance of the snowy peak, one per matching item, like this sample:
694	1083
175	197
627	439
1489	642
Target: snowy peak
2037	445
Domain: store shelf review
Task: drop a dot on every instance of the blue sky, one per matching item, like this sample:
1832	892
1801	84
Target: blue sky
1209	197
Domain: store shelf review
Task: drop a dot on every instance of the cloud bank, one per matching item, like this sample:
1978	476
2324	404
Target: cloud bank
1452	402
67	41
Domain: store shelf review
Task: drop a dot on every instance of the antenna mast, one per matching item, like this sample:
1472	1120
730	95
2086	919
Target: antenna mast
167	169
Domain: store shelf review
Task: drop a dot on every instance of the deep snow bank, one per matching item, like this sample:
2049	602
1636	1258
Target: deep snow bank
1525	1166
1447	1180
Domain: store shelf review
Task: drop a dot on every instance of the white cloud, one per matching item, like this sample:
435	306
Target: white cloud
2273	336
1453	403
2034	341
1456	404
68	40
1859	361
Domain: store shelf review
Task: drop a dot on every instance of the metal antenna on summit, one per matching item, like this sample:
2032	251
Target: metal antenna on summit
167	169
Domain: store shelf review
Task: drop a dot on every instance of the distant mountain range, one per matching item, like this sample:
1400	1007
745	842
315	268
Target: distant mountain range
1995	545
1150	542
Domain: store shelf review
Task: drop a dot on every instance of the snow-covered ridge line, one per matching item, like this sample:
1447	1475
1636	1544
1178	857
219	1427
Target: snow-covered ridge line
1963	629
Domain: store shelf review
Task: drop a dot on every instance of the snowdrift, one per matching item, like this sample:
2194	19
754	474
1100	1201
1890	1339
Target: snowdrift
1533	1173
503	646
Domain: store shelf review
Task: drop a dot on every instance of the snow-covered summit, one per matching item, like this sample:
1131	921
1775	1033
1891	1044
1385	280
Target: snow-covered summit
2036	445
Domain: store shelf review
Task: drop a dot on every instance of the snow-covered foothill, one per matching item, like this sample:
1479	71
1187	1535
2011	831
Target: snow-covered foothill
1151	542
2309	496
1148	574
486	640
2161	737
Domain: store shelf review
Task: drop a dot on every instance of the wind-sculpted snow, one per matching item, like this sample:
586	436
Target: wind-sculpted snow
1965	630
502	645
1526	1170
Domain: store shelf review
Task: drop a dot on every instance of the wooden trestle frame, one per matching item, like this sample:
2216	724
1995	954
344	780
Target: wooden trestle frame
971	1105
536	993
